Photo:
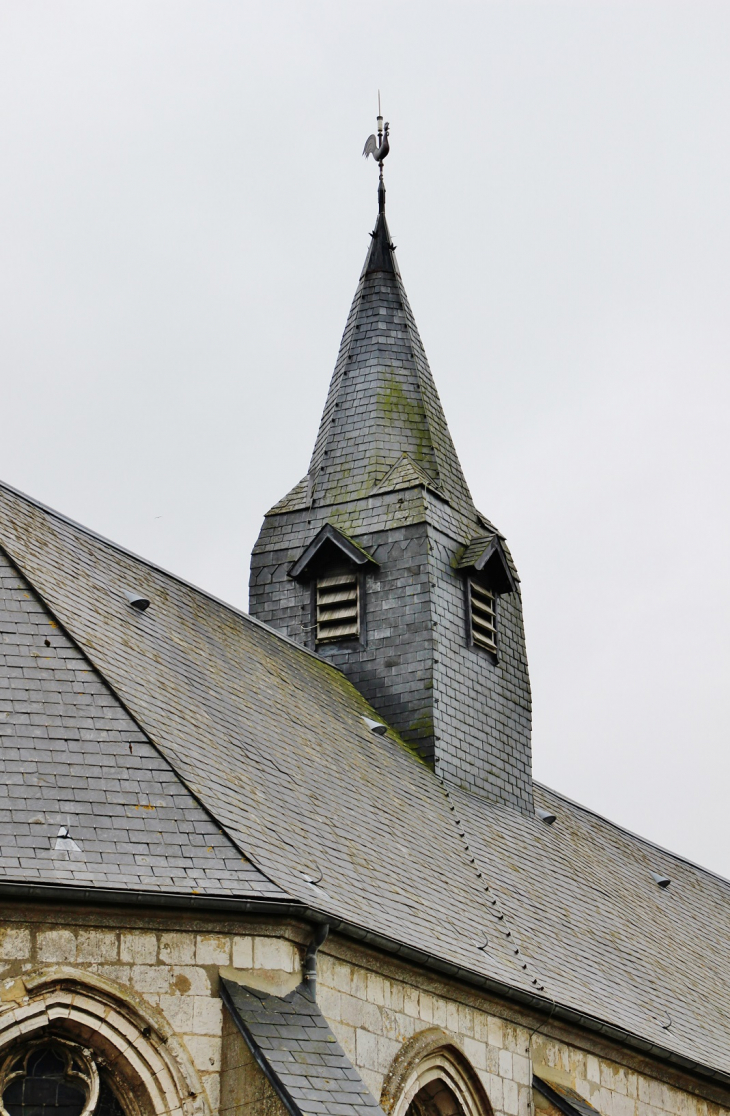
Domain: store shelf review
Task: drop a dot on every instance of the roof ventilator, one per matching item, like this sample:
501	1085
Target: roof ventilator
659	880
65	842
376	726
545	816
137	600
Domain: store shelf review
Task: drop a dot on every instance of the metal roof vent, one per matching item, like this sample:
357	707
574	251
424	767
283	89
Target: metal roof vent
65	842
545	816
136	600
660	881
376	726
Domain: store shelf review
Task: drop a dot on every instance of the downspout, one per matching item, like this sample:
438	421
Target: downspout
309	969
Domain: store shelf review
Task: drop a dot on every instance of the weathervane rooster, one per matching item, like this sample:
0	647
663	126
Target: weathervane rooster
379	148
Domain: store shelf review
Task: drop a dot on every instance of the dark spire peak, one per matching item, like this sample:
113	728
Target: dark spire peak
380	256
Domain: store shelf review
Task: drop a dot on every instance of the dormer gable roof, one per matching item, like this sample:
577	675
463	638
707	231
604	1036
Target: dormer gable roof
485	555
328	545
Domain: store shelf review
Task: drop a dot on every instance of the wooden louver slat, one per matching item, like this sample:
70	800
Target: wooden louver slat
338	607
483	616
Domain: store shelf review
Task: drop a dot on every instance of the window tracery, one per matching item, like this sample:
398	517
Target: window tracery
99	1031
52	1076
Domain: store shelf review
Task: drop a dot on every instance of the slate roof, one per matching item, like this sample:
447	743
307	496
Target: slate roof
73	761
475	549
293	1043
382	402
271	741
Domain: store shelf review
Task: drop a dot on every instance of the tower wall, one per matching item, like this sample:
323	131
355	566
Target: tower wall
392	663
466	713
482	705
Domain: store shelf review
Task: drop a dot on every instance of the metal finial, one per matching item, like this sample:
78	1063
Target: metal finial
379	148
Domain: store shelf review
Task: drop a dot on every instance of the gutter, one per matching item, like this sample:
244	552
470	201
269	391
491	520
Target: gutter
68	893
295	909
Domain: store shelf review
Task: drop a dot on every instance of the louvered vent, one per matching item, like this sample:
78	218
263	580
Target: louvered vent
483	616
338	607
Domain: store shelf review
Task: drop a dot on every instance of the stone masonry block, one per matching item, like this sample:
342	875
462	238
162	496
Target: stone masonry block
151	978
476	1052
367	1050
177	948
56	945
205	1050
242	953
179	1011
213	949
138	947
14	944
207	1015
97	945
275	953
510	1098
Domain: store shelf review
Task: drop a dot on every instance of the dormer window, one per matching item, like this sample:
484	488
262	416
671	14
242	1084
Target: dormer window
333	567
488	575
483	616
338	607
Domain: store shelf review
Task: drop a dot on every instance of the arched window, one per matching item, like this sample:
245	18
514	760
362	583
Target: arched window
78	1044
431	1076
54	1077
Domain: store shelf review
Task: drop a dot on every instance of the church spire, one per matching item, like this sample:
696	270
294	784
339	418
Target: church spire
378	560
382	403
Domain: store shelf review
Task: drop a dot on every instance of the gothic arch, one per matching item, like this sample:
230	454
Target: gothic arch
148	1066
430	1073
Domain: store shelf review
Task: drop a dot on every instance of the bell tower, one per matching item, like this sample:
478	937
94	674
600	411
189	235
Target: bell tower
379	561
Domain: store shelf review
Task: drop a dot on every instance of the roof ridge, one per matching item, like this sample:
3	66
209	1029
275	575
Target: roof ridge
161	569
631	833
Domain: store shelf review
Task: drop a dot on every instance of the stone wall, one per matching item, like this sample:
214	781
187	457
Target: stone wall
373	1014
613	1089
173	963
173	970
245	1091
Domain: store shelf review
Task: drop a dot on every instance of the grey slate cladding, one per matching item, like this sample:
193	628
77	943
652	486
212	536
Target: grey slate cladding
299	1053
271	740
72	756
384	471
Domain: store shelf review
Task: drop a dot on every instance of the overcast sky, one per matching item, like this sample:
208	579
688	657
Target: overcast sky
184	211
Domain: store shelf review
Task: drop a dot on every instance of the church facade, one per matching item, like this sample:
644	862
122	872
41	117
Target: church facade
295	862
